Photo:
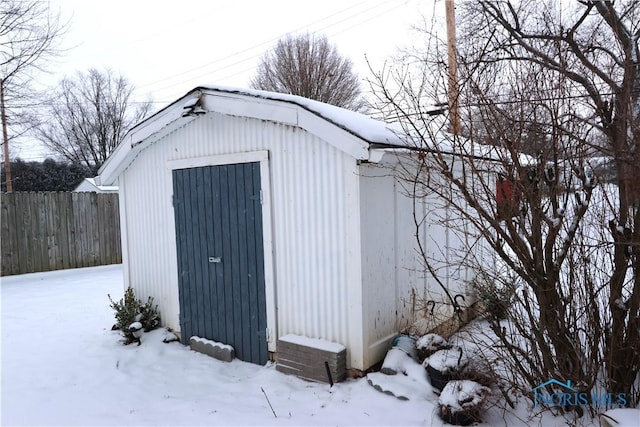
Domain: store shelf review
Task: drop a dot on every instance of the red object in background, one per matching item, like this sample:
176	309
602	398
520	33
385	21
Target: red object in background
507	197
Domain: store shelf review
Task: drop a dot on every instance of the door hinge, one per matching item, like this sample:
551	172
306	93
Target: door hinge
261	197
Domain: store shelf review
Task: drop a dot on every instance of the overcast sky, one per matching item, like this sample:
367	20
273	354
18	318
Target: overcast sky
166	48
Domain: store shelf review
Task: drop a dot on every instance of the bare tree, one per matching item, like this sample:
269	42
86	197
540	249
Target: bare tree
29	33
562	83
89	116
311	67
593	49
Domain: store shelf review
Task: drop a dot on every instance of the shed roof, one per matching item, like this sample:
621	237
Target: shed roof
360	125
352	132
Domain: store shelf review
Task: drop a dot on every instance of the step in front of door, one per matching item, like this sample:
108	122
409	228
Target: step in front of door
308	358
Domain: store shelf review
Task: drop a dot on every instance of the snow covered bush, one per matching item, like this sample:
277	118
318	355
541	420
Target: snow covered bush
461	401
130	310
449	361
428	344
126	310
149	315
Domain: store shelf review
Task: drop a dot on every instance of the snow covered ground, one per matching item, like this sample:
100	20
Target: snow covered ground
62	365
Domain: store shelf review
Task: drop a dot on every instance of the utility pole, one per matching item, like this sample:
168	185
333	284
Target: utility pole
454	112
5	140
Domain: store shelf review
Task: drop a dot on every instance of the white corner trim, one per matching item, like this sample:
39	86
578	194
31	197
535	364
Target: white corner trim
269	258
124	237
354	292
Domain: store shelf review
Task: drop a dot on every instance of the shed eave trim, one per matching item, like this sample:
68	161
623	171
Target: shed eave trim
288	113
144	133
253	108
236	103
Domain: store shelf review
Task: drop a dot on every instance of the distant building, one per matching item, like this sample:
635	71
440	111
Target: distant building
89	184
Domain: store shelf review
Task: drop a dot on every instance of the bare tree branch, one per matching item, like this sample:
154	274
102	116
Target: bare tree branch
28	37
546	90
89	116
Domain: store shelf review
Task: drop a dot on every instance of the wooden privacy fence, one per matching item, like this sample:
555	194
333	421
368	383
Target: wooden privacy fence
53	231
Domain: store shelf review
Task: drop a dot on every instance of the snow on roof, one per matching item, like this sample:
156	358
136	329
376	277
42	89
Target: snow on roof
360	131
361	125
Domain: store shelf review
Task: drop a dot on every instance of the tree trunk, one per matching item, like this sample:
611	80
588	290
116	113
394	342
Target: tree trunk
5	141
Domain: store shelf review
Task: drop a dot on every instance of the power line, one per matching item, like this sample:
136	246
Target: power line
477	104
330	35
235	54
357	15
395	6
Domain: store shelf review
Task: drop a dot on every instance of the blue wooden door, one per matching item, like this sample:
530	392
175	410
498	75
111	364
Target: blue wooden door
218	221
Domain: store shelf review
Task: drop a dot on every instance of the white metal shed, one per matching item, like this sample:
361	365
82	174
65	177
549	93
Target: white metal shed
291	206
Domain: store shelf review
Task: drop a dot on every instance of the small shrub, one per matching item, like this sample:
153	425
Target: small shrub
149	315
126	311
495	299
129	310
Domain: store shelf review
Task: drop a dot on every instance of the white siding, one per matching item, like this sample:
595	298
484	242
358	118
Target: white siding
393	277
390	268
313	208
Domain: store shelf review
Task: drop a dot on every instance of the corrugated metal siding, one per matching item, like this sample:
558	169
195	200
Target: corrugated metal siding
309	208
393	276
390	267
